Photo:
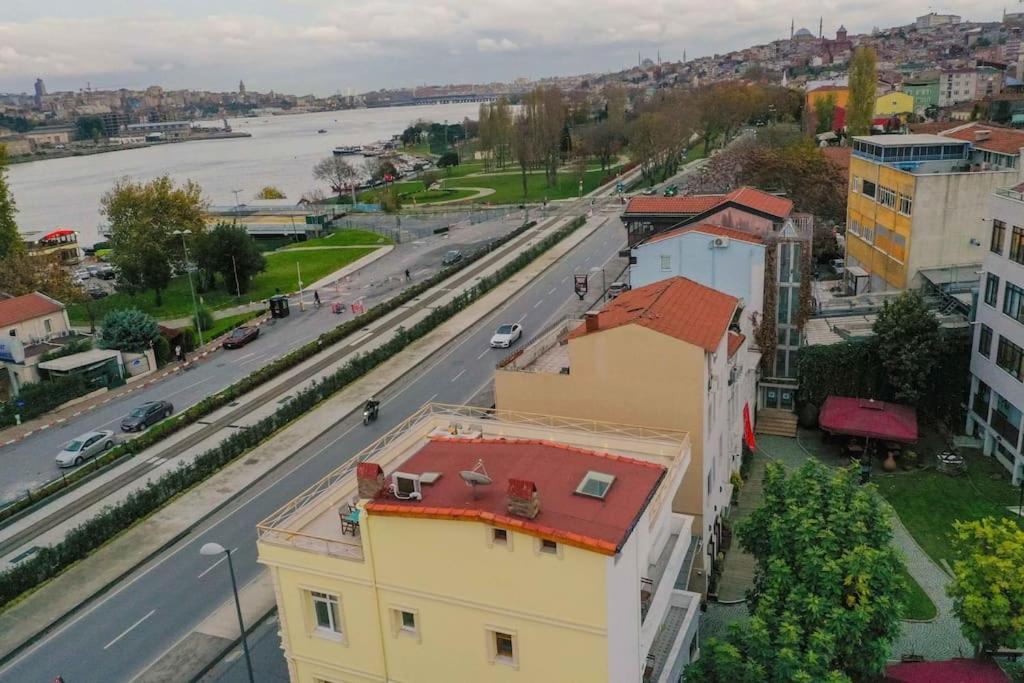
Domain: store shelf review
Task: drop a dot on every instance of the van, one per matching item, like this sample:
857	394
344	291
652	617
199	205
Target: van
617	288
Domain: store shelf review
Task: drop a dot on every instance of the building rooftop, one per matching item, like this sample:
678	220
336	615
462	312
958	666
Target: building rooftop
900	140
746	197
677	307
707	229
555	470
735	342
27	307
988	137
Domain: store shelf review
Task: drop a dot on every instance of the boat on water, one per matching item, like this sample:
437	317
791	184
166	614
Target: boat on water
346	150
372	150
322	130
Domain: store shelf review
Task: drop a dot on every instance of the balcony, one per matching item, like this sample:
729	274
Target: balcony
657	585
676	643
1005	428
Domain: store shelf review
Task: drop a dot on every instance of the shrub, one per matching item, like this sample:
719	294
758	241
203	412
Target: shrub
270	192
128	329
162	350
40	397
203	319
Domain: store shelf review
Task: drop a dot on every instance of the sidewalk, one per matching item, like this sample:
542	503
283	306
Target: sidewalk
55	600
738	573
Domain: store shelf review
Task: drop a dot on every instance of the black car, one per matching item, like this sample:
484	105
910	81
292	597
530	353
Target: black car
97	292
146	415
241	336
106	273
451	258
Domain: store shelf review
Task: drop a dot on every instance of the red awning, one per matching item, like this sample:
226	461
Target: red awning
868	418
950	671
59	232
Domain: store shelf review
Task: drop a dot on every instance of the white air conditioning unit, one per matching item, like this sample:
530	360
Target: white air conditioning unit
720	243
406	486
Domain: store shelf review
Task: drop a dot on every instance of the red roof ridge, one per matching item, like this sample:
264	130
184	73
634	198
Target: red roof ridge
707	229
735	342
548	444
26	307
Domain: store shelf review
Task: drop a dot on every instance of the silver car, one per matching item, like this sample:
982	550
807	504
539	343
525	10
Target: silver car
86	446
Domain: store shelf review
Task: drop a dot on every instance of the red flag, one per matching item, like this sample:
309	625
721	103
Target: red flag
748	429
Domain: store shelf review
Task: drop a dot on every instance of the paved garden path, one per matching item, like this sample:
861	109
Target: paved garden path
480	192
738	572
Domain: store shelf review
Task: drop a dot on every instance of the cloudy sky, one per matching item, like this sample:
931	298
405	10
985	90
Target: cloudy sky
326	46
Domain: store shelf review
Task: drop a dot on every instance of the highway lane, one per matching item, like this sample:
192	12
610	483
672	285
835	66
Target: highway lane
30	463
124	631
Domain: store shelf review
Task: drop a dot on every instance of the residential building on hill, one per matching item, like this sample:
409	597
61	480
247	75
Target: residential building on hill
967	85
916	202
665	355
474	545
925	92
996	406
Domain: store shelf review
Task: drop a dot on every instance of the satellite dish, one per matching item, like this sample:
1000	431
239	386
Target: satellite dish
476	477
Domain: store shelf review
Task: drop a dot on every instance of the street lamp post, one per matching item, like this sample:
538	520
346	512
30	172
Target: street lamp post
212	550
191	287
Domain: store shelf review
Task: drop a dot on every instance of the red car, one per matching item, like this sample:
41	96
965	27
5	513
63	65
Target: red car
241	336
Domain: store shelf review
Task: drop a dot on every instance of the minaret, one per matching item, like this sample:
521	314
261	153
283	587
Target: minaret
684	55
821	27
659	56
241	88
785	79
792	25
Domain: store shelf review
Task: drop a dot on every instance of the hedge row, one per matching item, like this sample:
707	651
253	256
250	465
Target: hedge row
83	539
38	398
266	373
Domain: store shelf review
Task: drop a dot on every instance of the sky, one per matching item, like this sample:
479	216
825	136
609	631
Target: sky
329	46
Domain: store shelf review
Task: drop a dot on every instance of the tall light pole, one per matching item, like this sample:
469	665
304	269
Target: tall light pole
191	287
212	550
236	193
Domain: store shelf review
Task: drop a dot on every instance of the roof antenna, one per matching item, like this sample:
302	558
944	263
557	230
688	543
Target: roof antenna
476	477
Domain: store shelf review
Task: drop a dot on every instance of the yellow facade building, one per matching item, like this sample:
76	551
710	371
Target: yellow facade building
916	202
480	545
893	104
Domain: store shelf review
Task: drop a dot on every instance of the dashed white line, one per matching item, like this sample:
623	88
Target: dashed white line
536	305
129	629
461	373
552	290
360	338
210	568
483	353
521	319
565	279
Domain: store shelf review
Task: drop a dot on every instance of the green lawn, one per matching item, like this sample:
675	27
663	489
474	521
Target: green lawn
222	325
918	605
279	275
509	187
343	238
928	502
695	152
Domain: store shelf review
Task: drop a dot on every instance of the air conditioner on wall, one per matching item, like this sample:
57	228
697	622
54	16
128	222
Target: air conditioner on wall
720	243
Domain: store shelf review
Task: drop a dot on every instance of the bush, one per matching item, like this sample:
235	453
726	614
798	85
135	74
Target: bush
189	340
203	319
128	329
42	397
162	350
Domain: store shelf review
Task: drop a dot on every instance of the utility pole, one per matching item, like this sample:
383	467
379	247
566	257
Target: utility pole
236	193
234	266
298	273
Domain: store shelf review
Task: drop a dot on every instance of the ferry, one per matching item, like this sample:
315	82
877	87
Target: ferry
346	150
322	131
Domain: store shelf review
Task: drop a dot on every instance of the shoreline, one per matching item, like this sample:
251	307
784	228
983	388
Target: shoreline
91	151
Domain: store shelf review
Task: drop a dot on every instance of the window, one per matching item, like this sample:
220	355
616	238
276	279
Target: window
1017	245
47	325
985	340
548	546
325	609
868	189
906	204
666	263
501	647
404	622
595	484
499	536
1013	302
855	186
998	236
408	621
991	289
1009	357
886	197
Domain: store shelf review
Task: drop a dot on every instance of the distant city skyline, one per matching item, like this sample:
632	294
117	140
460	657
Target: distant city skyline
315	46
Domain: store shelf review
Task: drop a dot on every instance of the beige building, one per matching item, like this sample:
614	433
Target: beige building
30	325
477	545
50	135
663	356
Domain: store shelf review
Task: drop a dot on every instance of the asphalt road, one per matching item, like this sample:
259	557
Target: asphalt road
30	463
124	631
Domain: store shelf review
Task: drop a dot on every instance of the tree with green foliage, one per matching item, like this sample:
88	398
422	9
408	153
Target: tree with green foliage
826	602
143	218
803	172
448	160
270	192
908	345
825	112
128	329
988	583
230	252
10	238
863	82
89	128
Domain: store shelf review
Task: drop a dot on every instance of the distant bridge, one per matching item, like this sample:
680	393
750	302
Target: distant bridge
441	99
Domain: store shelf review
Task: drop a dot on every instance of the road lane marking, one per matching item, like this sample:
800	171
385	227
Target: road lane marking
461	373
552	290
360	338
483	353
248	355
194	384
522	318
432	398
565	279
129	629
537	305
210	568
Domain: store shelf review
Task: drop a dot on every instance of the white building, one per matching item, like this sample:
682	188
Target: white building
933	19
997	352
967	85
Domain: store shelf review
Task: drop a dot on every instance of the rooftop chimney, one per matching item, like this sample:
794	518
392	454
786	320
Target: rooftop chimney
980	135
370	478
523	499
591	321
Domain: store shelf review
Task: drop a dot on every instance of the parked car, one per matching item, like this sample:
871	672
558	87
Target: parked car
93	270
97	292
671	190
240	336
838	265
649	192
146	415
106	272
506	335
86	446
451	258
82	274
616	288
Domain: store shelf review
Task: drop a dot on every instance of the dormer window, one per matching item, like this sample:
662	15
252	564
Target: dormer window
595	484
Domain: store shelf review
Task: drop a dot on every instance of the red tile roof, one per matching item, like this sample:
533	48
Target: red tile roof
761	201
556	470
27	307
689	205
1002	140
839	156
708	229
735	342
677	307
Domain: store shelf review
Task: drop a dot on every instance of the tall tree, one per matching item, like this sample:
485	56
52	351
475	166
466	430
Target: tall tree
143	218
10	238
230	252
825	112
802	171
523	143
908	344
603	140
340	175
863	82
826	601
988	583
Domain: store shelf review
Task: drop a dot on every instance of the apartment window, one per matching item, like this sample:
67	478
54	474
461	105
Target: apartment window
998	236
1009	357
502	647
855	186
666	263
869	234
325	609
1013	302
985	340
404	622
991	289
906	204
886	197
1017	245
47	325
499	536
548	546
868	189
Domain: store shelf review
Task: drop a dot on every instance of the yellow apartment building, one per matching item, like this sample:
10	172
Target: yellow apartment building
916	204
482	545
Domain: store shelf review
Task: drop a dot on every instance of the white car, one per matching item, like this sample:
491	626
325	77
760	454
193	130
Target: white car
86	446
506	335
